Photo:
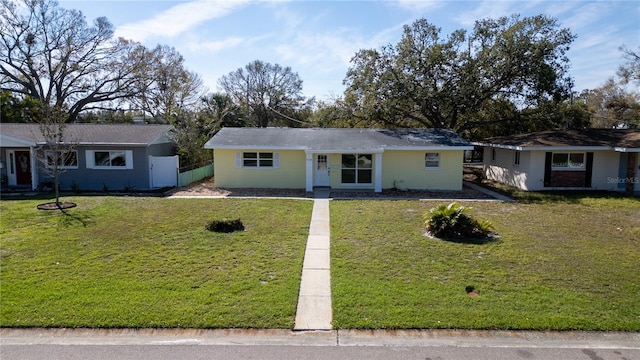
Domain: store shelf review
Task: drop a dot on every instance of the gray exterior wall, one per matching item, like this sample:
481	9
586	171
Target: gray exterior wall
115	179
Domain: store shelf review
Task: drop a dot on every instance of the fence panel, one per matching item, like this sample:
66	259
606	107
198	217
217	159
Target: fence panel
194	175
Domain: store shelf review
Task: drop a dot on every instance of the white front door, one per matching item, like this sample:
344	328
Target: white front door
321	172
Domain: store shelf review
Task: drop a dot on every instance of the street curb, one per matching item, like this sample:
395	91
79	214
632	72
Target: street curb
285	337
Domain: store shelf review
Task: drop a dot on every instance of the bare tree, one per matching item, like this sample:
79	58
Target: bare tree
264	91
51	54
630	71
166	88
58	153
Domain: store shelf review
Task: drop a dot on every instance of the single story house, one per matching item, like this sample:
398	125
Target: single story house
96	157
367	159
594	159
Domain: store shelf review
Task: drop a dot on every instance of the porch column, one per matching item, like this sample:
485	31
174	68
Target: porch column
309	172
34	169
378	173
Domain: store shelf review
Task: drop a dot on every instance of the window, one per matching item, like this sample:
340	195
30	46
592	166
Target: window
432	160
257	159
493	154
568	161
516	158
109	159
64	159
357	168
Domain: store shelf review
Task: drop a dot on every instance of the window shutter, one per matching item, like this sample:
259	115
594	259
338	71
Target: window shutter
90	159
547	168
276	160
238	159
589	167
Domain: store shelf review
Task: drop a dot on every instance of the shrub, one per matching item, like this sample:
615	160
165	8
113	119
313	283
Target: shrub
451	222
225	226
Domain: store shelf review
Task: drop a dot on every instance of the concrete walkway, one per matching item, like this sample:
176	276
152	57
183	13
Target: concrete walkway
314	302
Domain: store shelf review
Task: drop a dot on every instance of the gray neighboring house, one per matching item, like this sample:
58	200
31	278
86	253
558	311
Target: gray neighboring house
589	159
115	156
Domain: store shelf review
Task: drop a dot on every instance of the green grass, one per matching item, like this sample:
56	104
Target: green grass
149	262
560	263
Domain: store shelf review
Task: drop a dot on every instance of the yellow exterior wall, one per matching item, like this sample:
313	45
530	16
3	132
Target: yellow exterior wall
290	174
405	170
400	168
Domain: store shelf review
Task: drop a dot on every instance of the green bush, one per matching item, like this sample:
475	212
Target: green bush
225	226
451	222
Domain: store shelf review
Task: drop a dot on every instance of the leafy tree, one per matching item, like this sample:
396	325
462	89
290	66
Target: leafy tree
51	54
630	71
192	129
14	109
611	105
427	80
264	91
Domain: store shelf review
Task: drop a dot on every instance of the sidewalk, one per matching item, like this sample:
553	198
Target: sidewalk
314	310
283	337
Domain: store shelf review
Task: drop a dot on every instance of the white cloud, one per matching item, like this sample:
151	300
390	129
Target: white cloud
486	9
419	5
179	19
215	46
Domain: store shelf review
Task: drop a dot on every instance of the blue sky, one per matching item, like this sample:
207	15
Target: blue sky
318	38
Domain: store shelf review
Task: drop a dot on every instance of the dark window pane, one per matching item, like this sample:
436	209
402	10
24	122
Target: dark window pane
266	155
364	176
576	160
101	158
118	158
348	176
250	163
266	163
348	161
364	161
560	160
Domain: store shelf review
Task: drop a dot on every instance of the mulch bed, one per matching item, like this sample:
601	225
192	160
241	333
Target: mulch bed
56	206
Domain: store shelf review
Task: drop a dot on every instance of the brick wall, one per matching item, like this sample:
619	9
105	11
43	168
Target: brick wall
567	179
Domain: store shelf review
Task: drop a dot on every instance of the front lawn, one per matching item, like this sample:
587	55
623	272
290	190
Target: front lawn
560	263
149	262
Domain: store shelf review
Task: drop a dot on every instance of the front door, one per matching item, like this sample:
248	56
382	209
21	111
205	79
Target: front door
321	174
23	167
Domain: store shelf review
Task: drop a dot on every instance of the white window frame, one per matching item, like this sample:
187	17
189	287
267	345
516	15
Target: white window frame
63	166
516	157
356	169
90	154
240	160
569	167
427	167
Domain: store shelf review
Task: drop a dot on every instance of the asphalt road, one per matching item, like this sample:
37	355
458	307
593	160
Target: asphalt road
268	352
161	344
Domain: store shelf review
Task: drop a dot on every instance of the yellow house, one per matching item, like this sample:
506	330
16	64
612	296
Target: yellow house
362	159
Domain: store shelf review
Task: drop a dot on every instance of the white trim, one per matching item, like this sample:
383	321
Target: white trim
90	157
546	148
429	148
627	150
275	160
62	166
431	168
12	141
377	166
568	167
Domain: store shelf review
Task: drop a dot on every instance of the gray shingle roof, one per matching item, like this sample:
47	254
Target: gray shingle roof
622	138
322	139
96	134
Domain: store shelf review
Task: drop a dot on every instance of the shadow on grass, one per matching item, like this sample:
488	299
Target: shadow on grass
69	220
473	241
